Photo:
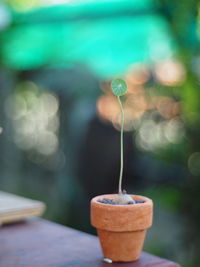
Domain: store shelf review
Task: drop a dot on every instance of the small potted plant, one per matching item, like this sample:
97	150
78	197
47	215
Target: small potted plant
121	219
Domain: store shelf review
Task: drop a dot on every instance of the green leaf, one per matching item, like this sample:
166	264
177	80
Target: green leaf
119	87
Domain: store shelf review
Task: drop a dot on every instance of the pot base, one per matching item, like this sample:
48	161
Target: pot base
129	245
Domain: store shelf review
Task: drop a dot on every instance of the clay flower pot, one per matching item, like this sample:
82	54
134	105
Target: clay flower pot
121	228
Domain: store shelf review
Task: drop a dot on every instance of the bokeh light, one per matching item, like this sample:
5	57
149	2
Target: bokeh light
108	107
170	73
34	116
5	17
174	130
137	74
167	107
194	163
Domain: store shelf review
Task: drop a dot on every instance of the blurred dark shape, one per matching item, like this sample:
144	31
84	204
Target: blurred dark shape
99	161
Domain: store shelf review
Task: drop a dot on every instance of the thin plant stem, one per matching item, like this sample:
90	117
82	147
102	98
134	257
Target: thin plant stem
121	146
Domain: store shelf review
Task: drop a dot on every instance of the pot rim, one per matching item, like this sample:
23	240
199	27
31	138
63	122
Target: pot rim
146	200
121	218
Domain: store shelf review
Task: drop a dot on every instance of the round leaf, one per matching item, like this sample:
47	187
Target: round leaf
119	87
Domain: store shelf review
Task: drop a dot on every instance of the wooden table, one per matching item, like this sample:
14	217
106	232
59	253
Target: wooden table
40	243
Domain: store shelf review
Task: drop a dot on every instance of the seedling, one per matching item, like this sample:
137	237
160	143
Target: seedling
119	88
121	227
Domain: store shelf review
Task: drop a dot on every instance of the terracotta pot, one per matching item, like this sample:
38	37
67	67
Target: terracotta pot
121	228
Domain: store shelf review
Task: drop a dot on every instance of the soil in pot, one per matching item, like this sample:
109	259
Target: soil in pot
111	202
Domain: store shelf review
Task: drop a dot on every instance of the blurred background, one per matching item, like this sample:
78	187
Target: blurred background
59	121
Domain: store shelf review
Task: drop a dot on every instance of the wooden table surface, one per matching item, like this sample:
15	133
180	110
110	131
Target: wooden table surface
40	243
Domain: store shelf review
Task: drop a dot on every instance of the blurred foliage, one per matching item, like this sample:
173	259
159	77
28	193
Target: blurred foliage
93	33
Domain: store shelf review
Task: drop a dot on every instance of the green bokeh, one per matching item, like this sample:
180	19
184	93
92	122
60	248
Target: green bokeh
107	37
